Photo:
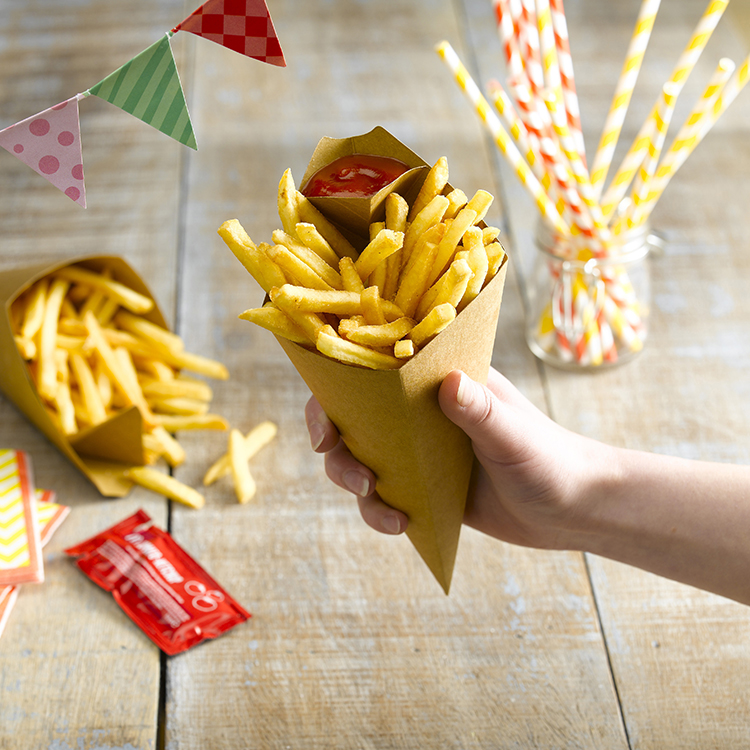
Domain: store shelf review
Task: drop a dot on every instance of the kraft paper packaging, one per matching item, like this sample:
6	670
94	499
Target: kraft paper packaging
391	420
101	452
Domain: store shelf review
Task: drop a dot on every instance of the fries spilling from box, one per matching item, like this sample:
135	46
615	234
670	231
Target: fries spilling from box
374	321
88	357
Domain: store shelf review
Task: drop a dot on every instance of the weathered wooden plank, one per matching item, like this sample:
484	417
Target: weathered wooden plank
74	671
352	644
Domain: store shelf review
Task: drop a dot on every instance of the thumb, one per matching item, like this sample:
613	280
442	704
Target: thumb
487	420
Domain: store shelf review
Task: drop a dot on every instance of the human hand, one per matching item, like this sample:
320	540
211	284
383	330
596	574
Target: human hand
533	477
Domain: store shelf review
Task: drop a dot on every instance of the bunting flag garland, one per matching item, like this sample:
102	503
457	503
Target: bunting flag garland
244	26
50	143
147	86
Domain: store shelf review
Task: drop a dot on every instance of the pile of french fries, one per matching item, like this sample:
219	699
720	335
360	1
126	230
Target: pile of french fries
91	353
375	308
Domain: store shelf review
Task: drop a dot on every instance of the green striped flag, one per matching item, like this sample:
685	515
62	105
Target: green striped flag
149	88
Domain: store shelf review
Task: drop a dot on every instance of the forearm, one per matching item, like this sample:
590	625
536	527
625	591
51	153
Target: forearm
684	520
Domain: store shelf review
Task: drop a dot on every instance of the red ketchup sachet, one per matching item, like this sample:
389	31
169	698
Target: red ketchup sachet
158	585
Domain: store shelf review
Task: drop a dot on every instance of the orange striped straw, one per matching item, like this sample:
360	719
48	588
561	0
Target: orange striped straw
719	94
529	39
682	70
577	168
548	47
527	142
506	27
567	77
623	93
503	141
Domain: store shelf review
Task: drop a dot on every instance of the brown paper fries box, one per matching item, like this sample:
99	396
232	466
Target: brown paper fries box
100	452
391	420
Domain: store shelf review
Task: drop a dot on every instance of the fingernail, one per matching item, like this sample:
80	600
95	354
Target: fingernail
357	483
391	524
464	395
317	435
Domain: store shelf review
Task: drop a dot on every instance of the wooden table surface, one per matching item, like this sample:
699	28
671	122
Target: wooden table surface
352	643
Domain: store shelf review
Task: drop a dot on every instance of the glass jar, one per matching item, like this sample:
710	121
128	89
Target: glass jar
589	308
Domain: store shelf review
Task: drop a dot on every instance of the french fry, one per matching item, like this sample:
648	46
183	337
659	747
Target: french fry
276	321
355	354
259	437
436	180
329	274
149	331
178	422
176	388
396	213
287	203
47	380
299	270
163	484
297	299
438	319
308	213
178	405
165	445
258	264
465	218
310	236
349	275
430	215
385	243
34	309
477	262
89	391
244	484
456	201
372	308
480	202
404	349
123	295
383	335
414	282
450	287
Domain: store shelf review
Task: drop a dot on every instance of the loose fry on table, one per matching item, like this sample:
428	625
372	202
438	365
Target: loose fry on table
244	484
260	436
157	481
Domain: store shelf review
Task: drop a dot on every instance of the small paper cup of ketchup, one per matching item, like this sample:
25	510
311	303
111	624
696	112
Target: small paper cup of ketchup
342	172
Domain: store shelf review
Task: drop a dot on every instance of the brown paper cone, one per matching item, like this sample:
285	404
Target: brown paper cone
391	421
101	452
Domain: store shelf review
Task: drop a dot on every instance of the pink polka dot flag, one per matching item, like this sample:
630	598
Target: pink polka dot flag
50	143
244	26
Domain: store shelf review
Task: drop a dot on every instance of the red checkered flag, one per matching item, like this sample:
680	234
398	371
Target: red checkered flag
244	26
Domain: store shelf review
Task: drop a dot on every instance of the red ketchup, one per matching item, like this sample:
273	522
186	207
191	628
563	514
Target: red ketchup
355	176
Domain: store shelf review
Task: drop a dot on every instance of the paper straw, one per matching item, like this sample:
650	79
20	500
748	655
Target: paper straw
529	42
646	172
501	137
695	129
623	93
548	47
577	167
682	70
552	157
527	143
508	36
567	77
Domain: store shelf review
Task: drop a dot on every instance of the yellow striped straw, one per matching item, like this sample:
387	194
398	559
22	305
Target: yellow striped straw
719	94
682	70
501	137
623	93
527	143
640	193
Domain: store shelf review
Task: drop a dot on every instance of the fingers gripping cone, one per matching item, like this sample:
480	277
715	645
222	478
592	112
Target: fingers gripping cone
391	421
